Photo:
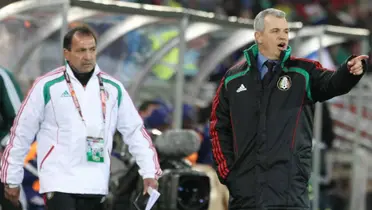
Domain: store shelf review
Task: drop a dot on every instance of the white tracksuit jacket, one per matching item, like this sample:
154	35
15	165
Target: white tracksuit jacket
49	114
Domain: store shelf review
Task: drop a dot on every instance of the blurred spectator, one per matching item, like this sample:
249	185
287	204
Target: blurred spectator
147	107
189	117
205	155
288	8
232	7
159	118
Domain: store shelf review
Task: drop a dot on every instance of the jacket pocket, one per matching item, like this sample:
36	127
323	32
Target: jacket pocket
298	189
304	167
46	156
241	184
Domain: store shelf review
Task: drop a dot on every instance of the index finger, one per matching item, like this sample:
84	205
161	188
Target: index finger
145	189
362	57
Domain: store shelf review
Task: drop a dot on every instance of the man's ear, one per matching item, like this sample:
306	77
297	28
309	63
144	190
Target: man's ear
66	54
257	36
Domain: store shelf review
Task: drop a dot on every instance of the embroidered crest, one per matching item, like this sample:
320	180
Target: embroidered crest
49	195
284	83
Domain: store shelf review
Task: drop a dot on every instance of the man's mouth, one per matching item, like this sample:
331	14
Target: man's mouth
282	46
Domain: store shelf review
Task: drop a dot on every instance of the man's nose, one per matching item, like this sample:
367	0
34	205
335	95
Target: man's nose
283	36
88	56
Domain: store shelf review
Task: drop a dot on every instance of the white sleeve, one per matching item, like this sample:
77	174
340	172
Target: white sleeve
22	134
130	125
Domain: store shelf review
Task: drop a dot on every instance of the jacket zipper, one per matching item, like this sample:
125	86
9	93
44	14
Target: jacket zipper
46	156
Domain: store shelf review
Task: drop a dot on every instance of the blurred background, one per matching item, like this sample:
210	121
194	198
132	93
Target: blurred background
171	54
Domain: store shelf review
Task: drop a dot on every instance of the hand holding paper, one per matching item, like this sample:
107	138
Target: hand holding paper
154	195
146	201
149	182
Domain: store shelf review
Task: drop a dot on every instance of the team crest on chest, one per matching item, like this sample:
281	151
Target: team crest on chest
284	83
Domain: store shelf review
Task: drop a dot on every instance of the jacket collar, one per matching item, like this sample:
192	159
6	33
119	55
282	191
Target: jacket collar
252	53
97	70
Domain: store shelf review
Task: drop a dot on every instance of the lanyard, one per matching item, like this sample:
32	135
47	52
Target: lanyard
76	102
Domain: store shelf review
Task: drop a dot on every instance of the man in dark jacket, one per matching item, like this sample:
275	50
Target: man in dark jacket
10	101
262	124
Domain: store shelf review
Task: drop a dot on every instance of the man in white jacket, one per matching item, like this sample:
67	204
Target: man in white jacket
73	112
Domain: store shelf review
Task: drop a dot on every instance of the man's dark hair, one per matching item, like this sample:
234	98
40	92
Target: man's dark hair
145	105
83	30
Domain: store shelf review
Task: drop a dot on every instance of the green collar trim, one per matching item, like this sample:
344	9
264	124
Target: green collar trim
253	51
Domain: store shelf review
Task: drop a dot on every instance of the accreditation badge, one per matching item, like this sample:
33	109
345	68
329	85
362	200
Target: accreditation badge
95	144
95	149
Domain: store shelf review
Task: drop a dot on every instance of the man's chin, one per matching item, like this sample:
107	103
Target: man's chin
277	55
87	68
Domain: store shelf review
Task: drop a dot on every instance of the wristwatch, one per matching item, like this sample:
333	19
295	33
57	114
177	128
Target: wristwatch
12	185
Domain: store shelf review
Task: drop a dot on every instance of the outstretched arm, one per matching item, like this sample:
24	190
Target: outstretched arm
326	84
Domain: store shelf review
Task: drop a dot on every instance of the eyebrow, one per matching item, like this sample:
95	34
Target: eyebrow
86	48
273	29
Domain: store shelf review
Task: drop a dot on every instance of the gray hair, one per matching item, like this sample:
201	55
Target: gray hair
259	23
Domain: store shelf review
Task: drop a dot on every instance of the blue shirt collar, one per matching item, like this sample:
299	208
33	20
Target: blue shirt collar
261	59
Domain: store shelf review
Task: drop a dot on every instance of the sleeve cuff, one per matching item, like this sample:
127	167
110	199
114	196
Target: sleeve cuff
148	176
5	140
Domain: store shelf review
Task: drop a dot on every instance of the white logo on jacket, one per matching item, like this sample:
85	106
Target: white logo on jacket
241	88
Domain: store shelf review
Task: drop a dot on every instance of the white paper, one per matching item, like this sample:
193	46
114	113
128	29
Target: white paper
154	195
